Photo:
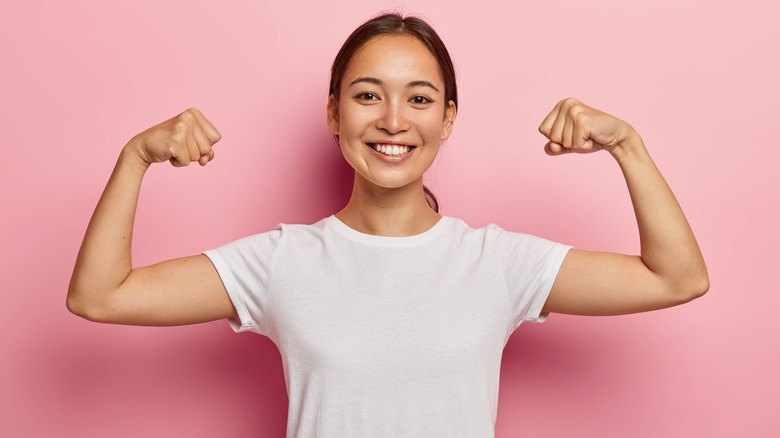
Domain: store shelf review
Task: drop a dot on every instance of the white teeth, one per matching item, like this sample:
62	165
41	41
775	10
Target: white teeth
392	150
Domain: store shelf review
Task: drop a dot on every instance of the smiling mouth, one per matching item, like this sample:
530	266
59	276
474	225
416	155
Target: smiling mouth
392	150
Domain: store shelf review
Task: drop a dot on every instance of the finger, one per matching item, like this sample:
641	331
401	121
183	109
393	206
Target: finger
568	130
203	143
204	159
192	148
546	127
556	131
204	146
180	156
552	148
211	132
176	131
581	136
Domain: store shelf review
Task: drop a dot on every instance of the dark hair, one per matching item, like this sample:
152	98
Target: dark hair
395	24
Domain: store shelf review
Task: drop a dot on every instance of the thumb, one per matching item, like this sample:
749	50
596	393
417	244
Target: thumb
581	140
553	149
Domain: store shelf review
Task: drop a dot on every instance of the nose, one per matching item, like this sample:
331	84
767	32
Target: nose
393	118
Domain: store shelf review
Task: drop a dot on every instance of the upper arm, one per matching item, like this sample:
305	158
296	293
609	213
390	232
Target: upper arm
175	292
599	283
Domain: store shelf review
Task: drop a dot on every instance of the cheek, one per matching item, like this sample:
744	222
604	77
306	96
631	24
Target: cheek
432	127
352	121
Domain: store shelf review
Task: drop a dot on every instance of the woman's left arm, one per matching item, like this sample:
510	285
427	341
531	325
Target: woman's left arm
670	269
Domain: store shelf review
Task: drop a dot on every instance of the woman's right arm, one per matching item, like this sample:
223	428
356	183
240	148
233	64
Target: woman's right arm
105	287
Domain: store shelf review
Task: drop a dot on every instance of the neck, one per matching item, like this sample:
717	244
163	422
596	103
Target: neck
394	212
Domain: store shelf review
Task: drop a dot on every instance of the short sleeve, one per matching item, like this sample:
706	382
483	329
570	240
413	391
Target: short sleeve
245	267
530	266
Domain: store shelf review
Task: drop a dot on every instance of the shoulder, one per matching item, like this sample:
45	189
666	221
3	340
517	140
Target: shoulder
509	245
490	232
272	239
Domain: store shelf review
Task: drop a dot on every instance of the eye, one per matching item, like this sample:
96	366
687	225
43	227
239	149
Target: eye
366	96
420	100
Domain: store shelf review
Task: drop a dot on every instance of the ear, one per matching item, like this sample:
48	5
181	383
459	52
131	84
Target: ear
449	119
333	115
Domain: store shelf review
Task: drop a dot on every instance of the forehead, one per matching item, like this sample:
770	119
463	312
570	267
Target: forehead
394	57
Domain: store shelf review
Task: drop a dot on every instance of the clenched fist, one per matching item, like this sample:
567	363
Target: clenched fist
575	127
181	140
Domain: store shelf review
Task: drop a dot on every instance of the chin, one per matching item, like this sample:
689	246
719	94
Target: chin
387	184
390	182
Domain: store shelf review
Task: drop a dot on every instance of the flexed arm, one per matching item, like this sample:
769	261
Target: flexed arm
670	269
105	287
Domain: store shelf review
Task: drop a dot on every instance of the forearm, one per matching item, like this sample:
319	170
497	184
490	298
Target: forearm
668	246
104	260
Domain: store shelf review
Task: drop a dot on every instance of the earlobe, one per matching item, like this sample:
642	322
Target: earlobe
333	115
449	120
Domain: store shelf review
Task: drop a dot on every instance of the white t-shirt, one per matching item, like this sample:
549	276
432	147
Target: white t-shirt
389	336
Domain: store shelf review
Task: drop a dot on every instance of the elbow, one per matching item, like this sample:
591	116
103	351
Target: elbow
701	284
76	306
75	299
694	287
699	288
82	307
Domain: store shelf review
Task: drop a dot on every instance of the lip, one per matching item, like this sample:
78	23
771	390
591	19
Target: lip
388	158
389	142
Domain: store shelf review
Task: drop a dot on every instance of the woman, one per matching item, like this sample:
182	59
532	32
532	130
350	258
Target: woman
390	318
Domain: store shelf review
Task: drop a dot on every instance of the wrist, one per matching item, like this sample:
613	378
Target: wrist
132	157
631	146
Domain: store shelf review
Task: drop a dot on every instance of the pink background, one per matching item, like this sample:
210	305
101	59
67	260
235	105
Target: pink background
699	81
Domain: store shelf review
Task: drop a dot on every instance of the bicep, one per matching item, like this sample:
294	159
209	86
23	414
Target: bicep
601	283
175	292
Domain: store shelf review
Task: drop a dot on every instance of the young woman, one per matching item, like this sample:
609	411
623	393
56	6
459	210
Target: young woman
390	318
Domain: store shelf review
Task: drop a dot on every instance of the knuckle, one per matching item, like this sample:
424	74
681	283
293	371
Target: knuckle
180	130
178	137
186	116
182	124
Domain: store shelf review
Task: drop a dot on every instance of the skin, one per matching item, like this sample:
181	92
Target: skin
105	287
392	92
670	269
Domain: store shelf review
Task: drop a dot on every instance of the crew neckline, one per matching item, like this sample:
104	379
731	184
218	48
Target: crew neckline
391	241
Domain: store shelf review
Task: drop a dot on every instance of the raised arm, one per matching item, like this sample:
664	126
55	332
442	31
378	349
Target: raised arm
670	269
105	287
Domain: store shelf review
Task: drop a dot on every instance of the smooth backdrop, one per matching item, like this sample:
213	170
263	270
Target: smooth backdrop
698	80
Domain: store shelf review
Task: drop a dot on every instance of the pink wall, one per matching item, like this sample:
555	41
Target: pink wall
699	81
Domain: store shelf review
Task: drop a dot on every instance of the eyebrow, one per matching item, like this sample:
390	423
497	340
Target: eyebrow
375	81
